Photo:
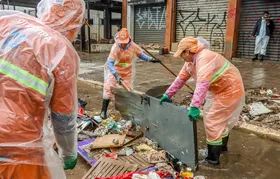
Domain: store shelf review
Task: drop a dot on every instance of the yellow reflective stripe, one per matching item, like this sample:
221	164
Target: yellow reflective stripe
123	64
218	142
220	72
23	77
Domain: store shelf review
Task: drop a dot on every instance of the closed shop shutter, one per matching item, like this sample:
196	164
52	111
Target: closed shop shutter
149	23
203	18
251	11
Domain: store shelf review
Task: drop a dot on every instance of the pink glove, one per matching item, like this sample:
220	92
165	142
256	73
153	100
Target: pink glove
176	86
200	94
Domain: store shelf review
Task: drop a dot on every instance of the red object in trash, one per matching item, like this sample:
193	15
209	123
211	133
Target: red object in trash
276	95
81	111
161	174
113	156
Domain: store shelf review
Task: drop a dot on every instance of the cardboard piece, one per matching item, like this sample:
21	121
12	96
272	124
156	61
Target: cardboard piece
107	141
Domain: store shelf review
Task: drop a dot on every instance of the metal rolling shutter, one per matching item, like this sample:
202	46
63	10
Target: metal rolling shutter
251	11
149	23
203	18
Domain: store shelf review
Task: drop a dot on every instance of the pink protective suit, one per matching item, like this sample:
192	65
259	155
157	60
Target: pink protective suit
220	84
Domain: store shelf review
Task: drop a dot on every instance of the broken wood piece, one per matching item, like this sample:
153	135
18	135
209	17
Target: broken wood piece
107	141
105	167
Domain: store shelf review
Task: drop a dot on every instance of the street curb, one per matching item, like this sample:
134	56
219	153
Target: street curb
266	133
263	132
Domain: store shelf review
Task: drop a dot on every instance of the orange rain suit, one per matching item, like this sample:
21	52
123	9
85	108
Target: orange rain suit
219	83
38	75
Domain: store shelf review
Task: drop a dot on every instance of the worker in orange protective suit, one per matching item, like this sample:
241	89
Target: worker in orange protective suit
219	83
38	77
120	66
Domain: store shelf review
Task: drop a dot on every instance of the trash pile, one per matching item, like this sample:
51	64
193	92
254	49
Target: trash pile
117	147
262	108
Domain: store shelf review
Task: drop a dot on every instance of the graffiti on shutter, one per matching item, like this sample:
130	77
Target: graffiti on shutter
151	17
205	19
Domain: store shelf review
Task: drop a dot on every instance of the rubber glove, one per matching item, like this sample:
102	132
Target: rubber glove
155	60
118	78
164	98
70	162
194	113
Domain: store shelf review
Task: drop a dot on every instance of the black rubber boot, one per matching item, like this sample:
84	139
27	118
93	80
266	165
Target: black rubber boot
261	57
255	58
105	105
214	152
225	142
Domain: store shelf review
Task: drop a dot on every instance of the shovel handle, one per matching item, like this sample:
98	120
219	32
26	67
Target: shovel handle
167	68
125	86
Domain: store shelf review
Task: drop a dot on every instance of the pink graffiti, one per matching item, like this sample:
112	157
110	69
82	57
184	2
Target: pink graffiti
232	13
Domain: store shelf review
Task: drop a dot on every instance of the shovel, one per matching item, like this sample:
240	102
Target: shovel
124	85
168	69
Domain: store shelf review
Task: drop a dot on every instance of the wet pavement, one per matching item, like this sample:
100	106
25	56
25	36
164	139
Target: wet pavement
249	156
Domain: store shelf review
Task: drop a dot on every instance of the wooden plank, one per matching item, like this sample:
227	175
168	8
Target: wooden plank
106	167
107	141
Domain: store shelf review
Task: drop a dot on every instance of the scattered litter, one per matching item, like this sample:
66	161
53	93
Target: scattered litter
97	119
258	108
266	112
128	151
89	133
144	147
202	154
156	157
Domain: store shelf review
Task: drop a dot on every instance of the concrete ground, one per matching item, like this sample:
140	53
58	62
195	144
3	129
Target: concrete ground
249	156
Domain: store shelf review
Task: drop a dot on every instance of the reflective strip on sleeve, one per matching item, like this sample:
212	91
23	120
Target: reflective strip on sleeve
220	72
23	77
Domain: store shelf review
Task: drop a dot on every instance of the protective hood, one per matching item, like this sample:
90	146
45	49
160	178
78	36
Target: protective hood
64	16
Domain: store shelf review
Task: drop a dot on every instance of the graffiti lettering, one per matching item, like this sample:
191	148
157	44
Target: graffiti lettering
193	25
151	17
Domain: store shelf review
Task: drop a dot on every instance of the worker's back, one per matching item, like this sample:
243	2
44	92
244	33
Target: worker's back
38	66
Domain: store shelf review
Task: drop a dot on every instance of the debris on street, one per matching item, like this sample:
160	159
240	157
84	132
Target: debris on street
262	108
117	147
120	143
